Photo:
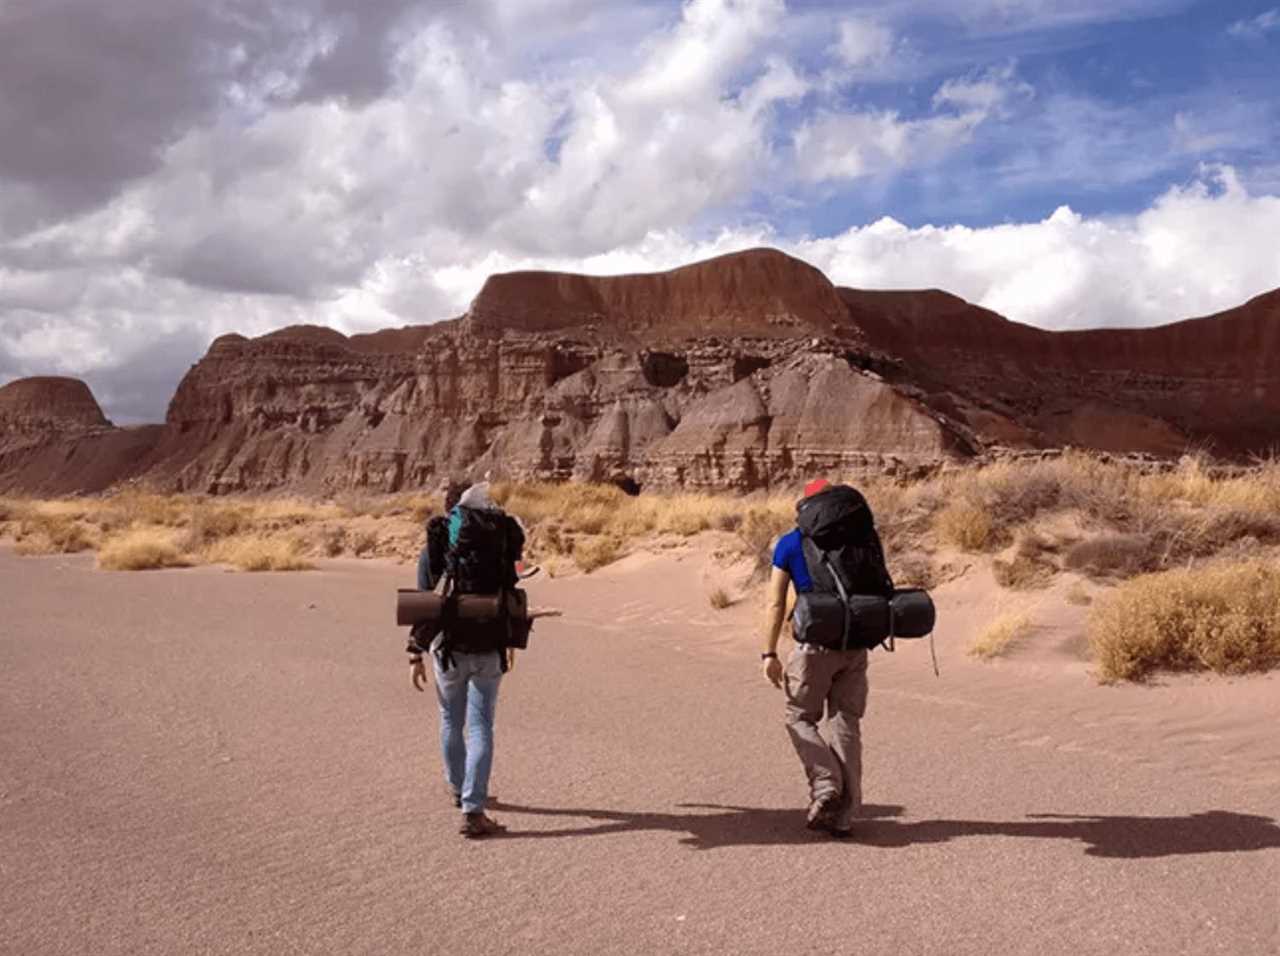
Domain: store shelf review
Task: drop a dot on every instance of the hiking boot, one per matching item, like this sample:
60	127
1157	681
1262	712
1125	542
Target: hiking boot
457	799
477	825
822	812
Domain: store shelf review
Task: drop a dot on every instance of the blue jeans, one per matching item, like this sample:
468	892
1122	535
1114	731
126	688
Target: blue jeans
468	695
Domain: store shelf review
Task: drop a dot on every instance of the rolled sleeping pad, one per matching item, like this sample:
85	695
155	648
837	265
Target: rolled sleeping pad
912	613
414	607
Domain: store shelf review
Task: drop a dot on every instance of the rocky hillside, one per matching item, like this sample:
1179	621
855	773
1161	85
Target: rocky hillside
745	371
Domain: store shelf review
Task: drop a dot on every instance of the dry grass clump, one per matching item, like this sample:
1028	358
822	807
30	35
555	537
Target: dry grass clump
1193	483
1031	566
141	549
1078	596
604	510
251	552
213	522
1001	634
761	526
593	553
14	509
914	570
1224	618
364	542
719	599
967	524
363	504
535	502
129	506
333	541
51	533
1115	555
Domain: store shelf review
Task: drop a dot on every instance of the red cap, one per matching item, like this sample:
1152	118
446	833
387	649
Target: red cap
815	486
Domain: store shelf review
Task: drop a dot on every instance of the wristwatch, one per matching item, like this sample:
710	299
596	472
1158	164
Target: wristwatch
768	654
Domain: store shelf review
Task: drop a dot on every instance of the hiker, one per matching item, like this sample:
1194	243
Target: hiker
835	535
469	659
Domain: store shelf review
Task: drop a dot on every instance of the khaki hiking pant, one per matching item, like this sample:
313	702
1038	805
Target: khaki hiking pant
818	679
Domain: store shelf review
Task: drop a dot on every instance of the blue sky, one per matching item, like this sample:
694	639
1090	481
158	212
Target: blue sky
174	169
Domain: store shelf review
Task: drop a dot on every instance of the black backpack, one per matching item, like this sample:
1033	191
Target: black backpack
481	561
437	547
848	607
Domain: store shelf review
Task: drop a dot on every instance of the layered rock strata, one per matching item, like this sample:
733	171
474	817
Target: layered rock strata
748	371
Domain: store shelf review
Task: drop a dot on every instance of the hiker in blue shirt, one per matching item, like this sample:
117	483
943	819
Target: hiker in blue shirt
830	677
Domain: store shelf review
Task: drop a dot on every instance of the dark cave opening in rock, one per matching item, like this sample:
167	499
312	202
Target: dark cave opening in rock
745	365
663	369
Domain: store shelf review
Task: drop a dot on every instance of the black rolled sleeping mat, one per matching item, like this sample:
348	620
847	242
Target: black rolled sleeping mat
912	612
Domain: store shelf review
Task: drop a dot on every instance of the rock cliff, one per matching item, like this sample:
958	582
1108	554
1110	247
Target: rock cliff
746	371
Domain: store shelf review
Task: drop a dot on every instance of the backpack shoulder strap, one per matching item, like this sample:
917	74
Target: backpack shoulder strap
817	564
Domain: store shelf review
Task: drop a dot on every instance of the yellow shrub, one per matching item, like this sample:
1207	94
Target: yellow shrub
53	534
762	525
592	553
258	553
11	509
1001	634
1224	618
965	523
136	506
141	549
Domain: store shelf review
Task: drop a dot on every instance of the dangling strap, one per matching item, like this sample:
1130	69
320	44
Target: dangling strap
448	616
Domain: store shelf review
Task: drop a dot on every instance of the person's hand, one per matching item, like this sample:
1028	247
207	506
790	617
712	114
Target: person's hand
773	671
419	675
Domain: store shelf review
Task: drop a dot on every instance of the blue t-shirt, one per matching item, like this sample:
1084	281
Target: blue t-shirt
788	555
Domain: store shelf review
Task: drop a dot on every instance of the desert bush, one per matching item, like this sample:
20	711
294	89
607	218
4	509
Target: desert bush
1193	483
136	506
1000	635
14	509
52	533
251	552
333	541
141	549
1219	528
761	526
1224	618
421	508
363	542
365	504
719	599
967	524
210	522
687	515
1115	555
1031	565
1078	595
913	570
593	553
549	539
535	502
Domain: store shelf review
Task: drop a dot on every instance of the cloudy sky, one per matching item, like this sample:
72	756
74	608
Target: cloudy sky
174	169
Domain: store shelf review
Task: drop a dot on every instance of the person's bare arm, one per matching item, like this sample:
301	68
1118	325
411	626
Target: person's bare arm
775	612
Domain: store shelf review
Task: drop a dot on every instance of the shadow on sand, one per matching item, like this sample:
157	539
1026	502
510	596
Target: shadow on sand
1214	831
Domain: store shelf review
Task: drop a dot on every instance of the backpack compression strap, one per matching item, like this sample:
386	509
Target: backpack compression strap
843	592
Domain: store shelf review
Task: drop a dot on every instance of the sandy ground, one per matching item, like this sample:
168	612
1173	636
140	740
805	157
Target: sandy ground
206	762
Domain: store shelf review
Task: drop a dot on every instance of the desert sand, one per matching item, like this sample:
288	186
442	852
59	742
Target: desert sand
199	761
